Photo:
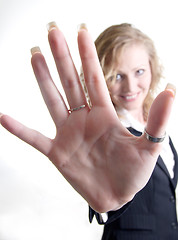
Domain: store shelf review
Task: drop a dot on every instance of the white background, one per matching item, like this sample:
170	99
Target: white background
36	203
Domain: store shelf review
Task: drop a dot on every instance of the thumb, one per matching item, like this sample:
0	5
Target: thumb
160	112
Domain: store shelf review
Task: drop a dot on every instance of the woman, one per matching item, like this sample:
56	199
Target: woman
132	72
100	158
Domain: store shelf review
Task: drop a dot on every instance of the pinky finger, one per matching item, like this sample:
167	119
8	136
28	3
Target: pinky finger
30	136
158	116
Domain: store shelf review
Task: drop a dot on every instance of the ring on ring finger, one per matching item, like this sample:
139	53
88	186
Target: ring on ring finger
76	108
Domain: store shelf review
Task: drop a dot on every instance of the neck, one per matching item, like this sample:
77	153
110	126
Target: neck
138	115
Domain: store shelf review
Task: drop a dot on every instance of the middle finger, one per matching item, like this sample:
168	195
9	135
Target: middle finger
66	68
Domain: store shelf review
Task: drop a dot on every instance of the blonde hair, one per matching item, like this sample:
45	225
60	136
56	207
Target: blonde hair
113	40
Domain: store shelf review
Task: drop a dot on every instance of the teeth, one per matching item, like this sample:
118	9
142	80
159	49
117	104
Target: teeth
131	97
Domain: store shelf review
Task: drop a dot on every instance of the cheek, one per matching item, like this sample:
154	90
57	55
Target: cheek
114	94
147	85
146	82
114	90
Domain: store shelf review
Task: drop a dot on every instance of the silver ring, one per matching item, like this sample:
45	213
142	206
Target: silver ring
154	139
77	108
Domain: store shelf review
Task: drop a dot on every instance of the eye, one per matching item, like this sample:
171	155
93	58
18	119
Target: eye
119	77
140	72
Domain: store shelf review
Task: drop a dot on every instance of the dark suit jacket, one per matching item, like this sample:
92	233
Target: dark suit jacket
152	213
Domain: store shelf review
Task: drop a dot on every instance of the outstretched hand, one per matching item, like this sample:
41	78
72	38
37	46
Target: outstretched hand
102	161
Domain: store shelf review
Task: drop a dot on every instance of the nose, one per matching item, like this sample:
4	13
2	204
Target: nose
130	84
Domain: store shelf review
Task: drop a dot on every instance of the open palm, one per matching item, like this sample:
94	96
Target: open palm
104	162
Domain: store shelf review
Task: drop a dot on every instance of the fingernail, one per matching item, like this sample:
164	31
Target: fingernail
35	50
51	25
82	26
171	88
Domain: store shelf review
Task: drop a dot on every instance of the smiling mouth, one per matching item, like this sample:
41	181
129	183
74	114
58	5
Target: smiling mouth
130	97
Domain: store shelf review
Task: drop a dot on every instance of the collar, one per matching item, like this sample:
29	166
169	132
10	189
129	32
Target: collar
128	120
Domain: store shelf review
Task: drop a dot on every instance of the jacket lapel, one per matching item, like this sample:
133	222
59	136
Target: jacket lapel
161	164
176	163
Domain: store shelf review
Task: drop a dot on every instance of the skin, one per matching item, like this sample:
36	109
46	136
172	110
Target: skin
133	80
91	148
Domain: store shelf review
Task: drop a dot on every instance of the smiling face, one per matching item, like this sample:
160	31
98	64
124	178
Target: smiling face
133	80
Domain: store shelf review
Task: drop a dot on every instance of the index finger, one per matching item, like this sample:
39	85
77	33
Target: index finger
94	78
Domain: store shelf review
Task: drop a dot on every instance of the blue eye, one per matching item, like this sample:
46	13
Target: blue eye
140	72
119	77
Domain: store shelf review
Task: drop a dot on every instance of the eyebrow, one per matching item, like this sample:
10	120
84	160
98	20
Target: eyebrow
120	71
